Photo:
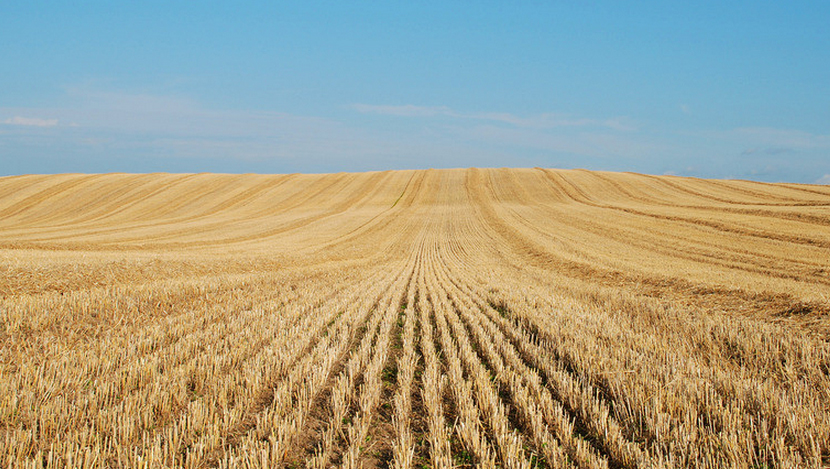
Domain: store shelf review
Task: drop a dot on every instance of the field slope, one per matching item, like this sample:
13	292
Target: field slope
508	318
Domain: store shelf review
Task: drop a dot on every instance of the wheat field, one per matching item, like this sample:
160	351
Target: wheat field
510	318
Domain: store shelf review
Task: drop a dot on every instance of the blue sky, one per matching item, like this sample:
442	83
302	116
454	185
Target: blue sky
718	89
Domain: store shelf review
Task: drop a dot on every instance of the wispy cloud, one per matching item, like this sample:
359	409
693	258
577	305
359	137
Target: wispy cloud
824	180
92	98
163	131
552	120
123	130
767	151
407	110
538	121
780	140
31	121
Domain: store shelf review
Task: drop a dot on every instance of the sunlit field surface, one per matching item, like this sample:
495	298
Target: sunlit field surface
507	318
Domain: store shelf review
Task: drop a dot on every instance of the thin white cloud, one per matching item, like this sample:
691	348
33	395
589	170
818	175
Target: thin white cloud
779	139
90	98
172	127
539	121
596	144
551	120
771	151
824	180
159	115
408	110
31	121
186	133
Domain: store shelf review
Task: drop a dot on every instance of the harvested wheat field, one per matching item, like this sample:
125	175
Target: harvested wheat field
509	318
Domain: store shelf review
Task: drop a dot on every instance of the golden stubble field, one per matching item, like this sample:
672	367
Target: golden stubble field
446	318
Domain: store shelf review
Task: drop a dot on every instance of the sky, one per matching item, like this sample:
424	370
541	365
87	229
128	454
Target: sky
714	89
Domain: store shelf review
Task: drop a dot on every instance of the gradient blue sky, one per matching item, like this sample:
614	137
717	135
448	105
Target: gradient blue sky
736	89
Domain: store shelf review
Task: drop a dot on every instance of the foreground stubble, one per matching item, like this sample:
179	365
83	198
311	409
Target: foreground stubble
513	318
